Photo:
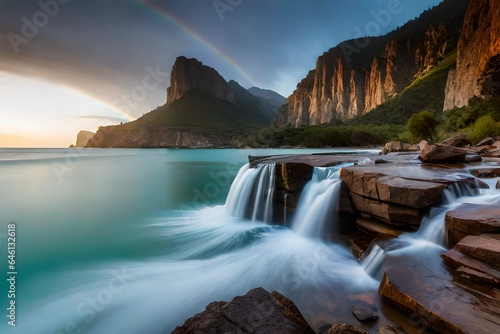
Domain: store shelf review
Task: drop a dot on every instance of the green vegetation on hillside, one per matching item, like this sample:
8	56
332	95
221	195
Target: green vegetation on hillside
198	112
325	135
480	119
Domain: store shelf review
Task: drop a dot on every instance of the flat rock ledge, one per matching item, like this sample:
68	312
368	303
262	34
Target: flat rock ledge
257	312
435	301
471	219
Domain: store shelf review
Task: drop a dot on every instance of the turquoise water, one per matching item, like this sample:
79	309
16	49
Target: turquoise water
136	241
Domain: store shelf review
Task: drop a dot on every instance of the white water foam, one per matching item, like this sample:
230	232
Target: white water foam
317	206
431	234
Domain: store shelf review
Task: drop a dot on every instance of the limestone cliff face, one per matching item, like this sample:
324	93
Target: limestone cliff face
478	56
356	76
340	89
188	74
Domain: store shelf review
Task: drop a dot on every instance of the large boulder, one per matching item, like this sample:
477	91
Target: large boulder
459	140
395	200
445	154
398	146
485	142
258	312
388	188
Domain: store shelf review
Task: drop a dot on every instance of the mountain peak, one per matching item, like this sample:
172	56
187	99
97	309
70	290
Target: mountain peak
190	73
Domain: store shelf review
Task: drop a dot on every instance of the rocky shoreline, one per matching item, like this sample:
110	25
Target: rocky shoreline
383	198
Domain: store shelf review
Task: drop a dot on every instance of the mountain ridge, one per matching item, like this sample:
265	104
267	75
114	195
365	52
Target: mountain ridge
202	110
344	86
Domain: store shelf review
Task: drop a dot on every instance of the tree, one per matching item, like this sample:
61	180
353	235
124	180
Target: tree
422	125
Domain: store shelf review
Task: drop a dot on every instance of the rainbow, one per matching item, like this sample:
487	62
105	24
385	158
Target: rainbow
200	39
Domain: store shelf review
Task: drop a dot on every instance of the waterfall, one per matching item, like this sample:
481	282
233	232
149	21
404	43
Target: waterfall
317	207
431	233
251	194
373	261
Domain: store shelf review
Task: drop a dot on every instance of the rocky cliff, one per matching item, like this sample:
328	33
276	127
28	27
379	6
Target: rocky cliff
83	138
202	110
356	76
478	56
189	73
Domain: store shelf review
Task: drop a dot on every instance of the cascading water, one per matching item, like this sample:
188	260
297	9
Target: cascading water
317	206
251	194
431	234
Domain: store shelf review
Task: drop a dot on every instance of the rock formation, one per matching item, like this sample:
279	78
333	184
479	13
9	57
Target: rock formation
202	111
478	56
257	312
188	74
350	80
83	138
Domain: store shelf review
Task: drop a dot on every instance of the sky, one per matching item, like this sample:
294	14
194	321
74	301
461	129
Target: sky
71	65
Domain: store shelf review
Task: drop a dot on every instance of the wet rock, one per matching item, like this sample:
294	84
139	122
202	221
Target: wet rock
446	154
293	176
392	214
390	330
481	150
485	142
364	314
493	153
473	157
431	298
398	146
345	329
324	329
376	185
481	247
459	140
412	193
258	312
474	268
471	219
359	243
486	172
477	276
377	228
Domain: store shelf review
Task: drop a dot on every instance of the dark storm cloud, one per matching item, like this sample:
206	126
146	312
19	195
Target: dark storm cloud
105	47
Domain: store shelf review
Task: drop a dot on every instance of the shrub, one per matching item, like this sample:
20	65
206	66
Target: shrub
484	127
422	125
